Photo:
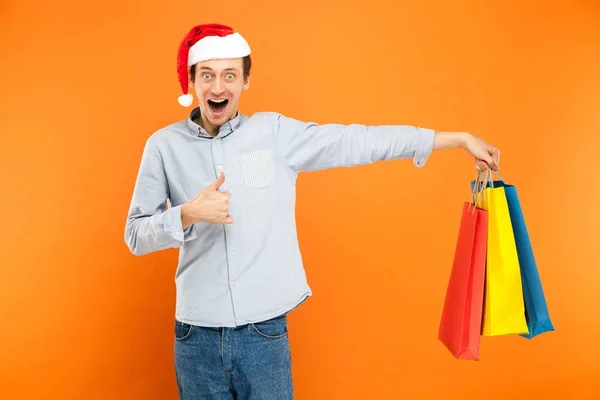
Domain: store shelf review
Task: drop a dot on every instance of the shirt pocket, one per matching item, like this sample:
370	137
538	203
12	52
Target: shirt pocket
258	168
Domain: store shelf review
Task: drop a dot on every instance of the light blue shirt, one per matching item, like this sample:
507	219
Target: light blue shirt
250	270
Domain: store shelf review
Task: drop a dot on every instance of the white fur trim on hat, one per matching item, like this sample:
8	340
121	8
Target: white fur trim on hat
218	47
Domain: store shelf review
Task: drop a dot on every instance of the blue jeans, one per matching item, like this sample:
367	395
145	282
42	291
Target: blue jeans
248	362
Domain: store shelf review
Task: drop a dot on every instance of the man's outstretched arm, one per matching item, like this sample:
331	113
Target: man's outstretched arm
309	146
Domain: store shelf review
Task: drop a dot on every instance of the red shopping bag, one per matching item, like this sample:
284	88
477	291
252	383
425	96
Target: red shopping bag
460	325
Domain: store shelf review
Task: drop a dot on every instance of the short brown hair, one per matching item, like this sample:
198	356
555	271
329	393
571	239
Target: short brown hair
247	66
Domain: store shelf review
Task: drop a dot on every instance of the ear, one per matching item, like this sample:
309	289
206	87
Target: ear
190	80
247	84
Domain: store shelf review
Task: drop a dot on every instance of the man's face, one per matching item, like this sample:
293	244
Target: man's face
219	85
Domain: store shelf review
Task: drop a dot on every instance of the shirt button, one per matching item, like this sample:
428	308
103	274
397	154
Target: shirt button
220	167
233	283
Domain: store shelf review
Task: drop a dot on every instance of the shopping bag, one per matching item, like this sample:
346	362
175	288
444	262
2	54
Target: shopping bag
504	306
460	324
537	315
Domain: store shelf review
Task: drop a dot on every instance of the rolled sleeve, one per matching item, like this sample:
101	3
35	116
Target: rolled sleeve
174	228
424	147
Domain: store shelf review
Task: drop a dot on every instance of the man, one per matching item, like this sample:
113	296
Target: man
229	182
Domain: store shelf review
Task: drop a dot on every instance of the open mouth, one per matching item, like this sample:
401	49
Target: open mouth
217	106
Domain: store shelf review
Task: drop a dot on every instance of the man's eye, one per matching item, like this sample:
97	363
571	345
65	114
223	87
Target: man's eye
206	76
230	76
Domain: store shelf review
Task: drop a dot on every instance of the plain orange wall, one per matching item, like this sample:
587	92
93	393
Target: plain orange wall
84	85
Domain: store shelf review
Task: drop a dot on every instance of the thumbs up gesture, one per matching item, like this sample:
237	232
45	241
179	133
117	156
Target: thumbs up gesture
210	205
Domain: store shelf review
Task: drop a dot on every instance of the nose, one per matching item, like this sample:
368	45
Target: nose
217	87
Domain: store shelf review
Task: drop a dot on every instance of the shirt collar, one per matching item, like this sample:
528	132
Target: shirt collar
225	129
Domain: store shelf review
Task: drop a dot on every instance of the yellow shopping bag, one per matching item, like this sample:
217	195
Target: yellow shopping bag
504	307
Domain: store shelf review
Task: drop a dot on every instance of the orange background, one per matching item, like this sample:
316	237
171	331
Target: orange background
83	86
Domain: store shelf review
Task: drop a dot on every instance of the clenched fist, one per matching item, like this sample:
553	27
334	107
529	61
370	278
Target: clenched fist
486	156
210	205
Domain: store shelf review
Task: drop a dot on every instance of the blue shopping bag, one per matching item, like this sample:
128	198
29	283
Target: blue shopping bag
536	310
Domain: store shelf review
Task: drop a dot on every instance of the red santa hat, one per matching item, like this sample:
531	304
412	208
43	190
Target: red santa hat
207	42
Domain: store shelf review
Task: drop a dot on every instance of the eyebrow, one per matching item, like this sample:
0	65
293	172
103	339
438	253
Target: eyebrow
226	69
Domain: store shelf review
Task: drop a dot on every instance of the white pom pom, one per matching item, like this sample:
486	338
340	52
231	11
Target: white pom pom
185	100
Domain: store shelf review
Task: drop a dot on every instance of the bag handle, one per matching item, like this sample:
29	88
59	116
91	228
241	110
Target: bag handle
480	190
489	173
476	192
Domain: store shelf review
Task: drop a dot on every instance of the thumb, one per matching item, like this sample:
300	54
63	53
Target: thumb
217	184
491	158
487	158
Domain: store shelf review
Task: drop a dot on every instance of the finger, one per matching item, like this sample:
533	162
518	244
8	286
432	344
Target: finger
217	184
488	161
493	159
228	219
481	165
226	195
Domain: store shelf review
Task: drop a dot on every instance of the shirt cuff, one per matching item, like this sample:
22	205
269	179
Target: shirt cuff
174	228
424	147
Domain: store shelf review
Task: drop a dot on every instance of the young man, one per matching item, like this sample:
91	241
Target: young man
229	180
